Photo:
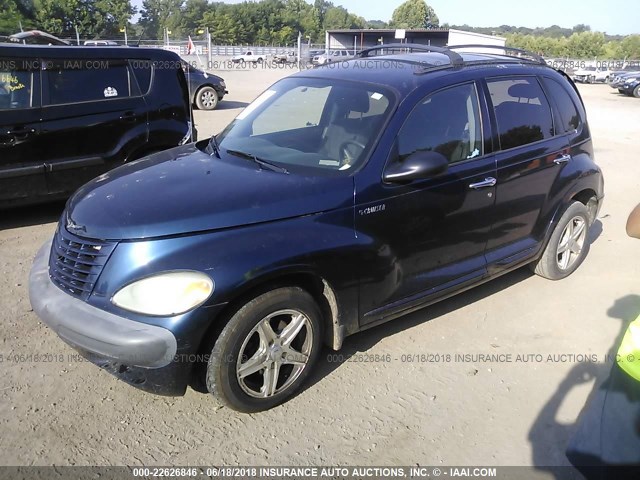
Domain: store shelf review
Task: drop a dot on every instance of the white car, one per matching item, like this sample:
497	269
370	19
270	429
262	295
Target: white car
249	57
334	56
591	75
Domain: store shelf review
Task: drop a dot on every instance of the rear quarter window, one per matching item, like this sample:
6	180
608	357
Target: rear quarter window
522	111
569	120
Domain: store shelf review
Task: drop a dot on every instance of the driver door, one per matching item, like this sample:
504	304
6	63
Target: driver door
428	237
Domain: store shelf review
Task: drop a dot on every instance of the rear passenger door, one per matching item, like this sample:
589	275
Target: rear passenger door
21	167
528	163
92	111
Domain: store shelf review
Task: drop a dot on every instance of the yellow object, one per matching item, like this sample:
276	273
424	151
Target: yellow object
629	351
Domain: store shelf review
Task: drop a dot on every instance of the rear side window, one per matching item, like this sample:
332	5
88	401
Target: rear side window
569	120
522	111
74	81
16	86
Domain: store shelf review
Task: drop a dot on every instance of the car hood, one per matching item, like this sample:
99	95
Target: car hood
185	190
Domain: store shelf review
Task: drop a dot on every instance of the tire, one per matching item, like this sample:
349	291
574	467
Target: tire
207	98
260	61
636	91
255	331
555	265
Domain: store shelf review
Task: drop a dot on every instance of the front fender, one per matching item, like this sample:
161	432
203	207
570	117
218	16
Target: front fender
239	260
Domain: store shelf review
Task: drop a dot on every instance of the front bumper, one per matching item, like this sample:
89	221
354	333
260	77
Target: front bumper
93	331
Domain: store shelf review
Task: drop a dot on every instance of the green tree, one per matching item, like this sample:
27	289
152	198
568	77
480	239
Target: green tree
630	47
156	15
192	16
414	14
93	18
376	24
338	18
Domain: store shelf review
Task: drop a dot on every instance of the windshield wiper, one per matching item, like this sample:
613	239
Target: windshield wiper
213	146
263	163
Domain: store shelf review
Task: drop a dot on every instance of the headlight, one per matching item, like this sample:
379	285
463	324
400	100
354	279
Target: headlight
222	84
166	294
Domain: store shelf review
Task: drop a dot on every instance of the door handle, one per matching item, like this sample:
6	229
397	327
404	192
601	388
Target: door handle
15	135
562	159
21	133
487	182
128	117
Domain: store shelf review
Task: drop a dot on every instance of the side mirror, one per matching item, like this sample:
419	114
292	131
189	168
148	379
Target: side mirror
417	166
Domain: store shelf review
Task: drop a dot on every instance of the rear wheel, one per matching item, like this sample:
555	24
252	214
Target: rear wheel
266	351
207	98
568	245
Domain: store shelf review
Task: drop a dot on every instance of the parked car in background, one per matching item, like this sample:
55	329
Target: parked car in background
206	89
618	80
591	75
100	43
90	110
311	54
36	37
631	86
249	57
287	57
338	200
333	56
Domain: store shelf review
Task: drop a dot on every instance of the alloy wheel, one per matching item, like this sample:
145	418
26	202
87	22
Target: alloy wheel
274	353
571	242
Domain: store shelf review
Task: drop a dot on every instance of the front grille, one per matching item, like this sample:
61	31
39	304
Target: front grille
75	263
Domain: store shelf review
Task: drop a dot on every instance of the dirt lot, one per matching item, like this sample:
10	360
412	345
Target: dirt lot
62	411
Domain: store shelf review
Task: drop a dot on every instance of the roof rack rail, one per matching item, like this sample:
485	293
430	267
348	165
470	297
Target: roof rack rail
454	58
534	56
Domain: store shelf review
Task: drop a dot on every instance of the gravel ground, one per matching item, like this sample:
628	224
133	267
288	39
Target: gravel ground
60	410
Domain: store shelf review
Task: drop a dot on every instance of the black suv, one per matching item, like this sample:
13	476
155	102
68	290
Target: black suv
69	114
341	198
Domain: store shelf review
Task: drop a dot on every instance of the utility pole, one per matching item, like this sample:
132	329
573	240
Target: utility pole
209	55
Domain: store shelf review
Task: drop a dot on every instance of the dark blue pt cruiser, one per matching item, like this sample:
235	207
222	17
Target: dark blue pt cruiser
341	198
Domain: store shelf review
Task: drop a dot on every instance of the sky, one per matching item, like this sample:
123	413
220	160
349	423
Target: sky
614	19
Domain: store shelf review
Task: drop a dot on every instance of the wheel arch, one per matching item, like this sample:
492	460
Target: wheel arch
586	195
318	287
314	284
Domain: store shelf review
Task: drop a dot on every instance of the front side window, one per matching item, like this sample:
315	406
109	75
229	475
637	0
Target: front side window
74	81
447	122
16	86
522	111
316	124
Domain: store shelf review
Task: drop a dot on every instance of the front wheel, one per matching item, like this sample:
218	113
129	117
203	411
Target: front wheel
636	92
568	245
207	98
266	350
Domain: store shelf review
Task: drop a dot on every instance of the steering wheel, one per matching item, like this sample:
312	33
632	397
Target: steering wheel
350	151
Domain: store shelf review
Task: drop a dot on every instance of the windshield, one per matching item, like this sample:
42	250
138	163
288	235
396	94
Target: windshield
316	125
